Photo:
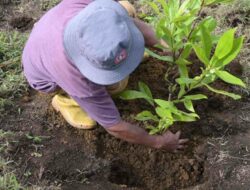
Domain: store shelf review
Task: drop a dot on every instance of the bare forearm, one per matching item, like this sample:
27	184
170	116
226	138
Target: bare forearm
147	31
133	134
149	34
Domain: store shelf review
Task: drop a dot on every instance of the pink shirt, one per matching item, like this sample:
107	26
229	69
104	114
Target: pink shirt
46	66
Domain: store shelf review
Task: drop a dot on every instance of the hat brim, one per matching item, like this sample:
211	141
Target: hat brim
101	76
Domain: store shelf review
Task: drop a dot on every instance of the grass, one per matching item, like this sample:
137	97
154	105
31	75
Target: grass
8	179
48	4
12	85
12	81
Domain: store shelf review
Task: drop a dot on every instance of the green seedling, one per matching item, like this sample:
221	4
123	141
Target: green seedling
36	139
27	174
165	112
180	26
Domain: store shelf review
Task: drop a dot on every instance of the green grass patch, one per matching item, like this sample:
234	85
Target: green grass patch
12	81
8	179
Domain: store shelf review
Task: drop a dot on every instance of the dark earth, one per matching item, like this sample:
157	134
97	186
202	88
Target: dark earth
217	157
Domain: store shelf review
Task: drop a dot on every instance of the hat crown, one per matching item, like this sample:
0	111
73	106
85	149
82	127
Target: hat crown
105	47
104	38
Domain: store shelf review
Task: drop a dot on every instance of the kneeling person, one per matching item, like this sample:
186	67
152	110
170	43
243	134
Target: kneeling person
88	49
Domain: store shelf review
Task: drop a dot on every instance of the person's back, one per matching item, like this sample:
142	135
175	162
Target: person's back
48	69
45	51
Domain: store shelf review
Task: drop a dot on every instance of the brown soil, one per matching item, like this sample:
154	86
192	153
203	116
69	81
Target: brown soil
217	156
93	159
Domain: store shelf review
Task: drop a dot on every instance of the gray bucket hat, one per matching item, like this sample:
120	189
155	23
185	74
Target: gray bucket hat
103	42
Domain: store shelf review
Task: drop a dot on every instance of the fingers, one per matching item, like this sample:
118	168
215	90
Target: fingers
180	147
178	134
174	143
182	144
183	141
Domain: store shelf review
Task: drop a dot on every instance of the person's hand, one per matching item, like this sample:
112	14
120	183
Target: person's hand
171	142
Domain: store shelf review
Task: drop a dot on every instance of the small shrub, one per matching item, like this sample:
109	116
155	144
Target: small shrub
180	25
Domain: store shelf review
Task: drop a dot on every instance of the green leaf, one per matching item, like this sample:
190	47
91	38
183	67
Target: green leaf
162	58
182	61
189	105
163	113
183	7
235	51
186	52
195	97
133	94
167	105
153	130
183	70
178	45
164	6
182	66
212	2
201	54
225	44
162	30
196	4
182	18
232	95
145	89
182	91
163	103
209	23
191	114
167	39
208	79
164	124
229	78
206	41
145	116
184	81
185	117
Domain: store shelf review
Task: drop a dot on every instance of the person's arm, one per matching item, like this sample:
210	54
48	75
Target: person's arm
99	105
102	109
133	134
149	34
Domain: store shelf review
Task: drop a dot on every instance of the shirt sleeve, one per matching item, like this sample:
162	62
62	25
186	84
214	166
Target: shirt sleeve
100	107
